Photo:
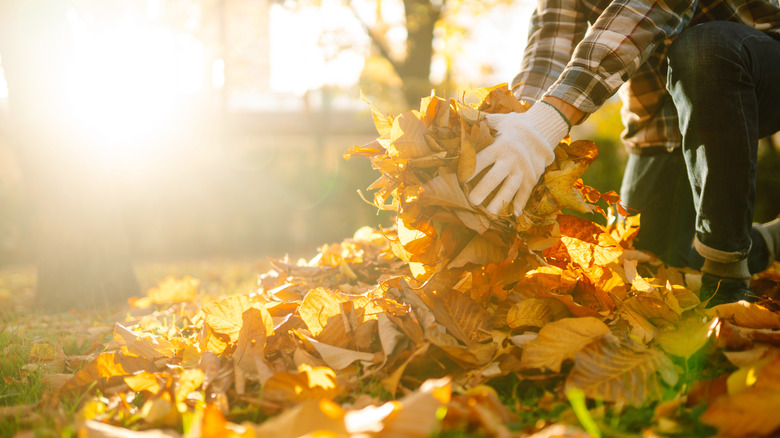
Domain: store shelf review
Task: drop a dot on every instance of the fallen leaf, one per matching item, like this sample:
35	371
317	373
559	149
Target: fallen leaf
561	340
748	413
618	372
748	315
688	337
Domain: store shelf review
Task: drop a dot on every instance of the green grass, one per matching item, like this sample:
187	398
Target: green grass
77	334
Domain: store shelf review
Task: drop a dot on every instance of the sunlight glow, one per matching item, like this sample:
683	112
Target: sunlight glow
124	84
218	73
3	83
301	60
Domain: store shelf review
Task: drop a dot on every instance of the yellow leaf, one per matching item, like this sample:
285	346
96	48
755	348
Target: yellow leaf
479	251
745	377
225	316
418	415
748	413
561	340
106	370
160	411
321	307
150	347
748	315
389	335
45	352
143	381
641	329
445	191
559	192
214	424
171	290
407	137
189	381
587	243
391	382
531	312
689	337
336	357
382	122
96	429
251	339
417	242
613	371
471	356
314	418
308	383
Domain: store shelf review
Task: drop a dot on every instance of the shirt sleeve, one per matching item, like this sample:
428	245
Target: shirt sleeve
623	36
556	28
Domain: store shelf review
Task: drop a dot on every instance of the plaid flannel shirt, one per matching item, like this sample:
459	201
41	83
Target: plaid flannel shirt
625	44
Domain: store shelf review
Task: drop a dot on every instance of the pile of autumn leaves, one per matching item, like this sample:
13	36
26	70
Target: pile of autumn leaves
427	313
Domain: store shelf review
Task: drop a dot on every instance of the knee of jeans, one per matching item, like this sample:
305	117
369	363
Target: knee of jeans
703	49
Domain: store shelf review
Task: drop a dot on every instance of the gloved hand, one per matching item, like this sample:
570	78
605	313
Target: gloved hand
522	149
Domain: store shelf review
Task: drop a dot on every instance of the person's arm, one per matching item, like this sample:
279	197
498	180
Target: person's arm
572	114
556	27
618	42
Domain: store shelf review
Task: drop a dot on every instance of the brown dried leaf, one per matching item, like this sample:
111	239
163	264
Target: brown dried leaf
479	251
748	315
461	315
561	340
407	137
615	371
532	312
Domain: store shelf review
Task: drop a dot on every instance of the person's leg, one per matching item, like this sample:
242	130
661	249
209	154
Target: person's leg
656	186
726	98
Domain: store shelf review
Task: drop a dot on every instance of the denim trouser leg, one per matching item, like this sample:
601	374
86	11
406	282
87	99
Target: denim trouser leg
724	79
656	186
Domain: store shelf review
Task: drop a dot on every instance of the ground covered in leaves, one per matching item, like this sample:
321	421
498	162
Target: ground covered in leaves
452	322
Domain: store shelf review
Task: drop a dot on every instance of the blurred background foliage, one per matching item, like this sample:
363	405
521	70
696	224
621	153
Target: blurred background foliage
215	128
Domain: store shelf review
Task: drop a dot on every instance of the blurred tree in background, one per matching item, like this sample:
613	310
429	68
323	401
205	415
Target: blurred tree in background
79	239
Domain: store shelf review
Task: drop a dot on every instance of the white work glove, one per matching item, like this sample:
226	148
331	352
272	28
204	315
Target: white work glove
522	149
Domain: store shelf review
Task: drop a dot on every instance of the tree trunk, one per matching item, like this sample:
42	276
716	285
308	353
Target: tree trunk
81	249
421	18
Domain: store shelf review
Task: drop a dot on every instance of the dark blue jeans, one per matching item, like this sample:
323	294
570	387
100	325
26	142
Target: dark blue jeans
724	80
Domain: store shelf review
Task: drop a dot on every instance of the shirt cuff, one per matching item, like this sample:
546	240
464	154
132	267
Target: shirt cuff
583	89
